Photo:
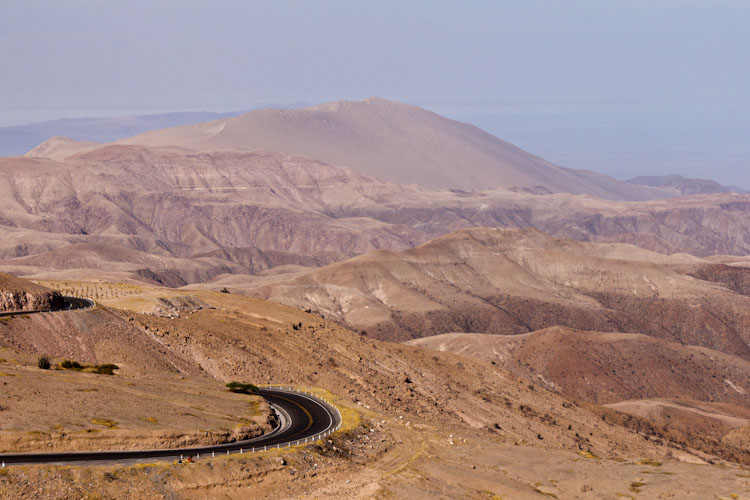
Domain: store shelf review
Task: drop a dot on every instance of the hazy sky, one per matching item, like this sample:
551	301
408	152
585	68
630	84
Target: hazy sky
488	61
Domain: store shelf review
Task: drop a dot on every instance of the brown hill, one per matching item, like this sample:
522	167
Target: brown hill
684	393
250	340
608	367
418	423
395	142
516	281
176	217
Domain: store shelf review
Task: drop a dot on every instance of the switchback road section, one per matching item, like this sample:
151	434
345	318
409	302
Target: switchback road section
303	418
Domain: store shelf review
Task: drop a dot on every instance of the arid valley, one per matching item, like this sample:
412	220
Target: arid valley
529	332
325	249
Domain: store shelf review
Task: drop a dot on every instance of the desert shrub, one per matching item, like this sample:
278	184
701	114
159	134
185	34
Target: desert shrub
43	362
69	364
106	369
242	388
224	290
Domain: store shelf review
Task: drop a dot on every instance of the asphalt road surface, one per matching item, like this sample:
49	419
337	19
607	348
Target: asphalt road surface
71	304
302	418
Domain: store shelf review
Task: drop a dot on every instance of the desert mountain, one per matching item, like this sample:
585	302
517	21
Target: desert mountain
394	142
175	216
517	281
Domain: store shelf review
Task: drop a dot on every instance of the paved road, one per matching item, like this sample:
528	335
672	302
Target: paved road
303	418
71	304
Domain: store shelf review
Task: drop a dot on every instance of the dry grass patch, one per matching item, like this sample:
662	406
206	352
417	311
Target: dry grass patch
111	424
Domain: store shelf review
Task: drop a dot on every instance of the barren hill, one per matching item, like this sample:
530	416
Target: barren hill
608	367
517	281
395	142
245	339
175	217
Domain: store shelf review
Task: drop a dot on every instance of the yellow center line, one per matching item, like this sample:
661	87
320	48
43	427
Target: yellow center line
309	416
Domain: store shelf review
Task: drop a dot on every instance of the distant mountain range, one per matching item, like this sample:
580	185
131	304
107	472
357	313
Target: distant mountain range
18	140
685	187
385	139
15	141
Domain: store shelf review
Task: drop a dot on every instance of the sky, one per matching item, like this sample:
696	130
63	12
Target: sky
621	86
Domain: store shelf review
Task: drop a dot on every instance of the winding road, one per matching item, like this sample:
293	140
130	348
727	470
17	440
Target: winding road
303	418
71	304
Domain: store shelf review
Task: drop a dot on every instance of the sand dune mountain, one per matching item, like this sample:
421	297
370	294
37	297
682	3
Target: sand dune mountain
394	142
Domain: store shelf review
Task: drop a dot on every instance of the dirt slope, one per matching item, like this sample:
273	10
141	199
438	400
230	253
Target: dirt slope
430	421
255	341
608	367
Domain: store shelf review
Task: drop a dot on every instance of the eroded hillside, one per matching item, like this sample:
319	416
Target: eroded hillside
518	281
173	217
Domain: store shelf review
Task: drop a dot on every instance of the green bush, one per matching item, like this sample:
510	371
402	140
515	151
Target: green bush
242	388
43	362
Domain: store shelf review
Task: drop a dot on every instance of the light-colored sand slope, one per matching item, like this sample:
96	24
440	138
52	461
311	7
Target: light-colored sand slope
395	142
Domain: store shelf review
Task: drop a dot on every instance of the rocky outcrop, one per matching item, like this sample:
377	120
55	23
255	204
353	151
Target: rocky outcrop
17	294
19	300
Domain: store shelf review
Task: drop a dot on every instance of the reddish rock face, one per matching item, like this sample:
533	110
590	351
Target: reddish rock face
11	301
21	295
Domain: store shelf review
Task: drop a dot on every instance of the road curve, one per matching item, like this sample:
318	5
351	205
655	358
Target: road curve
71	304
303	418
